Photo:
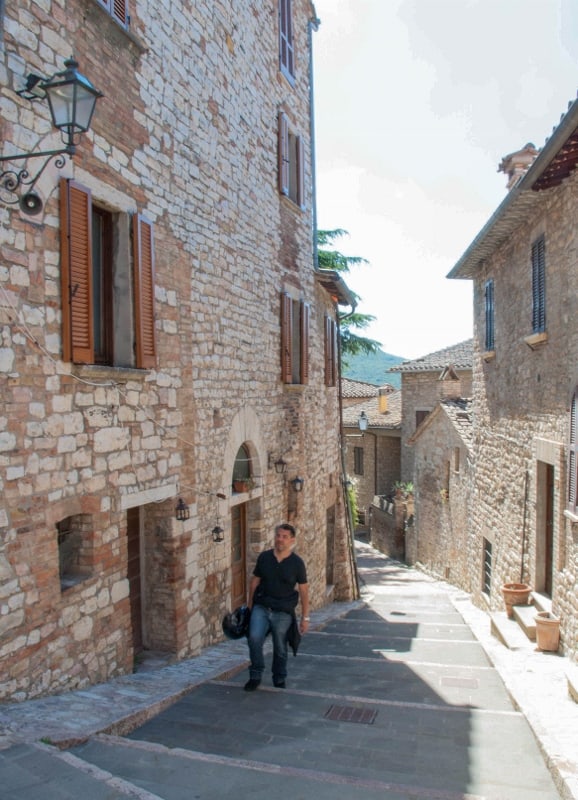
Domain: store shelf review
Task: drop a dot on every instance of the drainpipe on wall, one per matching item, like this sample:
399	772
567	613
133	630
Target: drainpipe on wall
313	25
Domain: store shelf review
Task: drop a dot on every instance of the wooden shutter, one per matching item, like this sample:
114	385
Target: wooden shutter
330	352
489	343
283	153
119	11
573	456
144	292
286	338
300	199
304	342
539	285
76	268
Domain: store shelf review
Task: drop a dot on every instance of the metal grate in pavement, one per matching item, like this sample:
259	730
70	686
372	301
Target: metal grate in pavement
365	716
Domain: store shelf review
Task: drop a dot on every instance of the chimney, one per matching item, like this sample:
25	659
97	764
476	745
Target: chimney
515	165
382	400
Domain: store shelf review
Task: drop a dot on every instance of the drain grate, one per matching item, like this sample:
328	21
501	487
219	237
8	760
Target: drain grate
365	716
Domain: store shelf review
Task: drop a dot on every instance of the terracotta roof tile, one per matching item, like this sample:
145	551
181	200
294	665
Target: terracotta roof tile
459	356
352	388
391	420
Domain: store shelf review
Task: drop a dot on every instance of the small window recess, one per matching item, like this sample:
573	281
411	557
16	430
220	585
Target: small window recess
73	551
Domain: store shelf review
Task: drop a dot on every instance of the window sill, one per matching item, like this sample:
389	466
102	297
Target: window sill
571	516
489	355
100	372
536	340
126	31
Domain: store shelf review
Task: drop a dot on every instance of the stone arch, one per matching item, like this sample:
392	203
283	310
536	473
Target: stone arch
245	430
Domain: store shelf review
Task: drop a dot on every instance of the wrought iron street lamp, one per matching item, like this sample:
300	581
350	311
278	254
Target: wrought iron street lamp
71	99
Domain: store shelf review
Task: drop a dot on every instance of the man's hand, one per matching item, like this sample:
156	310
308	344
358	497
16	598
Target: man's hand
304	624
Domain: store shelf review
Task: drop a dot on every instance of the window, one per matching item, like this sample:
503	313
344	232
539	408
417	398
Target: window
74	550
291	163
330	352
286	53
107	285
358	460
489	297
118	9
420	416
539	285
573	457
456	459
487	575
294	340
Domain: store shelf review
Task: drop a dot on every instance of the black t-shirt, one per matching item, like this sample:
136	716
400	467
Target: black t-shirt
278	578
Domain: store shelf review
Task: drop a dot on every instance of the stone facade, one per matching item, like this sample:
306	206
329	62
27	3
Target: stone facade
424	382
93	456
438	540
525	377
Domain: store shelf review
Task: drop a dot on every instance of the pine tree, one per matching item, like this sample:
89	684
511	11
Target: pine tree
351	342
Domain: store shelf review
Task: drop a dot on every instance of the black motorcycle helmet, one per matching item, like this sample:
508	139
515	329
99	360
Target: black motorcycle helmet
236	624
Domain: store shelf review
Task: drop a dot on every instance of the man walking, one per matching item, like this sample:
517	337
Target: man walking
272	600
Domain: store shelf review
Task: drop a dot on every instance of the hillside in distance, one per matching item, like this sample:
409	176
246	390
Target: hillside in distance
373	368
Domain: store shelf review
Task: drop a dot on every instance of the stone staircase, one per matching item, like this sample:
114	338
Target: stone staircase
519	632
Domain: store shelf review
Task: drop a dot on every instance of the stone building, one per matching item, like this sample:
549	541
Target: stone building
524	268
164	330
425	381
438	539
373	458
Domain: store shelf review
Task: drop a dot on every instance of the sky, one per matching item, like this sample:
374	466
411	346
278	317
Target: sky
416	104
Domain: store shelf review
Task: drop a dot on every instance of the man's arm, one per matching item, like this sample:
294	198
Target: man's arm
304	598
255	581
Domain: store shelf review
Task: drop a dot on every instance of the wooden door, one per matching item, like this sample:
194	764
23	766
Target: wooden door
238	555
134	576
549	532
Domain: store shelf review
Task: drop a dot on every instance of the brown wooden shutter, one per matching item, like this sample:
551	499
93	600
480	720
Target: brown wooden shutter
573	457
144	292
300	199
119	11
330	352
286	338
76	268
304	342
283	153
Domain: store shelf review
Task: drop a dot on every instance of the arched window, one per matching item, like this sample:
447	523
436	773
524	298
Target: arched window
242	471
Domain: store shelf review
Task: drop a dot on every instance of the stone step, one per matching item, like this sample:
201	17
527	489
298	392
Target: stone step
525	616
509	632
542	602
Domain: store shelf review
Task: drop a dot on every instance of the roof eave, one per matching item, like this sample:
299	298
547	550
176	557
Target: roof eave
517	203
334	284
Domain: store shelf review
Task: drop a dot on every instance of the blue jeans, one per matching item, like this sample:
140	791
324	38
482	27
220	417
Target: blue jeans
264	621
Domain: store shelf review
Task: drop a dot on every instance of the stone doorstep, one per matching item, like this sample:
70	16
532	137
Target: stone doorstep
508	631
525	616
572	678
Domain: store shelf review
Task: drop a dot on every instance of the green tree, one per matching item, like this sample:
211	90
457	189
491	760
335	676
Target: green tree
329	258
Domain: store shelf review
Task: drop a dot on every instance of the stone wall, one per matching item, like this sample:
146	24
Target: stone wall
421	392
191	142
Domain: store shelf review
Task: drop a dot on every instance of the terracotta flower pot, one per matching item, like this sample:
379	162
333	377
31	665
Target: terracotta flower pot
515	594
547	631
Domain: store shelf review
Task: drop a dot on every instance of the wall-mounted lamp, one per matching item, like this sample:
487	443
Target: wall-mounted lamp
182	510
218	534
280	465
363	422
71	99
297	484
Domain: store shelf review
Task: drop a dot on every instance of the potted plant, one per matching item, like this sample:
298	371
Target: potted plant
241	485
515	594
547	631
